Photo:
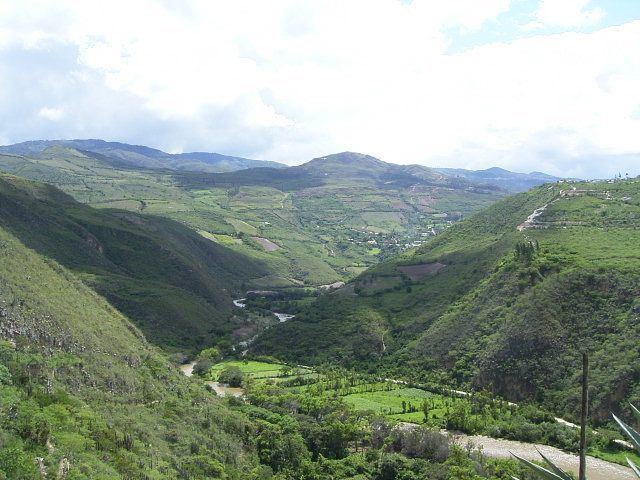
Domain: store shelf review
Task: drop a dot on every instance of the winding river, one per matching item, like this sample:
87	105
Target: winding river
220	388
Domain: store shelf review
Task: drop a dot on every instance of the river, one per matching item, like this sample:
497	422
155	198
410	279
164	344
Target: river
220	388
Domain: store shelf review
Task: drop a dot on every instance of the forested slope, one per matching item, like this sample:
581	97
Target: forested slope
82	390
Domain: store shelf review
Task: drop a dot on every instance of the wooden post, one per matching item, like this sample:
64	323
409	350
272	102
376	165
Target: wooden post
583	417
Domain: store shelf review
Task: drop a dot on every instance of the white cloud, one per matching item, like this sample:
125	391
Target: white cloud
290	80
51	113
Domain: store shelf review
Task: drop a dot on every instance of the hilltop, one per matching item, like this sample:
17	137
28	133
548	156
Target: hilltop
349	167
504	300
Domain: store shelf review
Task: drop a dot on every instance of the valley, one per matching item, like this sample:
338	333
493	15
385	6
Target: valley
495	307
345	318
320	240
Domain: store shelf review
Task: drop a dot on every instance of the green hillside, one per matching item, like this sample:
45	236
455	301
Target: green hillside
176	285
82	389
498	303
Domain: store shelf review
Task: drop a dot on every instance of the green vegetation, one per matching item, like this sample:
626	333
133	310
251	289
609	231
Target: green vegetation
83	390
432	407
504	308
83	393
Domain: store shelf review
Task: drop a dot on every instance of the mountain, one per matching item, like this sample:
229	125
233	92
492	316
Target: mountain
347	168
504	300
511	181
309	225
173	283
138	156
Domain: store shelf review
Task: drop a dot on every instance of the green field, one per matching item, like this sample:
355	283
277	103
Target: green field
256	370
388	403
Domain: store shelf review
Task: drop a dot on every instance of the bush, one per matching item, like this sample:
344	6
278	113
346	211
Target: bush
5	375
203	366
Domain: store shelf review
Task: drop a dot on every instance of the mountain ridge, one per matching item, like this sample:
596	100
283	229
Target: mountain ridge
143	156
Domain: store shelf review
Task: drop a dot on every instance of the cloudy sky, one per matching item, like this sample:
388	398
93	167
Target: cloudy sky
551	85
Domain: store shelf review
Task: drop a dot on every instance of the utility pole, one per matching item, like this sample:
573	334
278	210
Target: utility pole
583	417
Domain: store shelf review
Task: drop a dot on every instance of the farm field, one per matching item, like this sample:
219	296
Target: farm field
258	370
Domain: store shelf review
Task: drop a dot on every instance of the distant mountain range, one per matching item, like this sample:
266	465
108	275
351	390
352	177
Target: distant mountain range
317	171
346	168
350	166
139	156
511	181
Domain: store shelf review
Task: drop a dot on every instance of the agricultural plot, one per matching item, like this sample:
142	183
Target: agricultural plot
257	370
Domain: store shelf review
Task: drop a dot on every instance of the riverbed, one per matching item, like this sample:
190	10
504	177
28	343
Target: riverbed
499	448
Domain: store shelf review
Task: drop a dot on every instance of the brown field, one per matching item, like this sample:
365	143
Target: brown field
267	244
418	272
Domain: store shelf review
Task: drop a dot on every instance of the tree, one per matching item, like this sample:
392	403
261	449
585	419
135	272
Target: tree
5	375
232	376
425	410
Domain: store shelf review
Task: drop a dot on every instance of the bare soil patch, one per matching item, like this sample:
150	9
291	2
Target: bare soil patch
418	272
267	244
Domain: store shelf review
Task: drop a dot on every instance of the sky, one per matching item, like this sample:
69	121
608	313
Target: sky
527	85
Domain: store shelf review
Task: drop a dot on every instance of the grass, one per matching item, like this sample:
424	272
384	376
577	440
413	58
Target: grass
619	457
388	402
